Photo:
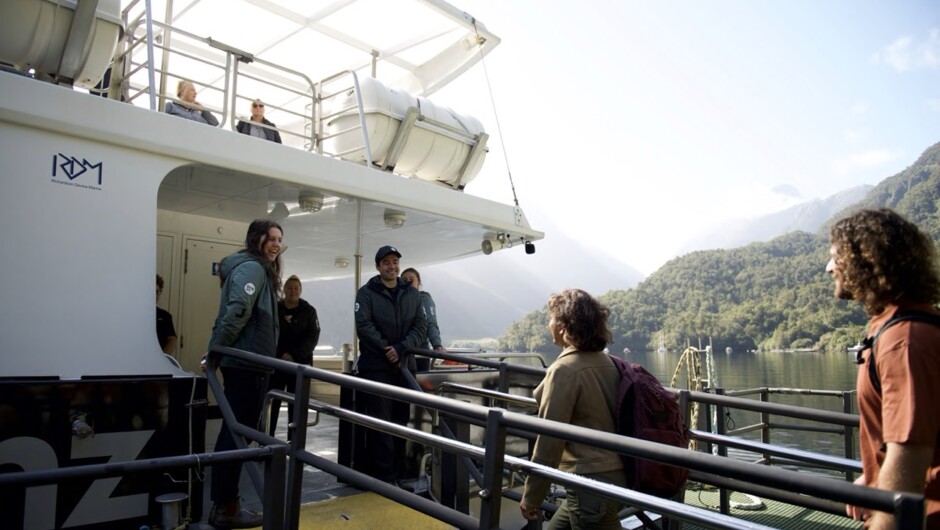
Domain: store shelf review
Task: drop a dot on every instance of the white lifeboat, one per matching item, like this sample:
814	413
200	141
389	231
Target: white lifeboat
60	38
409	135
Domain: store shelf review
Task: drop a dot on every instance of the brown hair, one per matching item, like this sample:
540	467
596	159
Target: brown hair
583	319
254	243
883	258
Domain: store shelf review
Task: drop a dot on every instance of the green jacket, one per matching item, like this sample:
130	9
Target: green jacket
247	309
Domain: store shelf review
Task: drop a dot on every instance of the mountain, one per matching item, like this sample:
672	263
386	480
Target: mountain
764	295
807	217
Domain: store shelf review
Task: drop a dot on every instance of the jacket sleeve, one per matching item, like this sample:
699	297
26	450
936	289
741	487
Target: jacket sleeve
241	127
245	284
273	134
434	332
556	403
365	327
303	353
210	118
419	327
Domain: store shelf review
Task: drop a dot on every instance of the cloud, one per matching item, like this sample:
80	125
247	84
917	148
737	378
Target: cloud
787	190
906	54
860	160
860	107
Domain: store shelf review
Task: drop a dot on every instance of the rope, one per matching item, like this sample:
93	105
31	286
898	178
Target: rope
693	379
499	128
693	363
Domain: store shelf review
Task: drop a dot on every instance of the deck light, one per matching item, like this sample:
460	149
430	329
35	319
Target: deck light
310	202
395	218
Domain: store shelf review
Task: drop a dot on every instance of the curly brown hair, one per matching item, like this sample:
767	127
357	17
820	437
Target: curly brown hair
882	258
582	317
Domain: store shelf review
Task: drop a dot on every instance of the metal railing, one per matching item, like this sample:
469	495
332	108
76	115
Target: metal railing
154	52
274	457
908	508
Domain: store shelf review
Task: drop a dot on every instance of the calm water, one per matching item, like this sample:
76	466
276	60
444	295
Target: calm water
818	371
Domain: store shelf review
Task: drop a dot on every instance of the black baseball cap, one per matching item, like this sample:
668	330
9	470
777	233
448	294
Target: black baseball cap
385	251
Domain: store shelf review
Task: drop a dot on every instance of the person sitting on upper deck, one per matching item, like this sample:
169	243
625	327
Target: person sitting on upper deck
255	127
187	106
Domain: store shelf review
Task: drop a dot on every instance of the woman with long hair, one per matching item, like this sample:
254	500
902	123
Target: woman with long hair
580	388
247	320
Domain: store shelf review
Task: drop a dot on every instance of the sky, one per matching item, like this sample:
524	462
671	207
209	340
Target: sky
634	126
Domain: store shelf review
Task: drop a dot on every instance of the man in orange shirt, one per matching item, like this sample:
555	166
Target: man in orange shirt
888	265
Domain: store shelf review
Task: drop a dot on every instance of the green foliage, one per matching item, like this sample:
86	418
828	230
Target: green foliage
770	295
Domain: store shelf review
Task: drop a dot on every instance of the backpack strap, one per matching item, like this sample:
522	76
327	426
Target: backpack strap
869	343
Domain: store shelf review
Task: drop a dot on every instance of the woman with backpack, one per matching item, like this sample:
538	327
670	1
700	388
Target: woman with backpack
580	388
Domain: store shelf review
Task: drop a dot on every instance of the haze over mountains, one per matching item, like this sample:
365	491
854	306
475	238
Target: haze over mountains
479	297
808	217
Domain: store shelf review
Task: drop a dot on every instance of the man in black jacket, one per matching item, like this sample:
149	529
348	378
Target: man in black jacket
389	320
300	332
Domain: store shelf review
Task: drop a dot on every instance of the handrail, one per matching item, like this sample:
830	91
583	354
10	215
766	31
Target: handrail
908	508
455	388
230	70
274	456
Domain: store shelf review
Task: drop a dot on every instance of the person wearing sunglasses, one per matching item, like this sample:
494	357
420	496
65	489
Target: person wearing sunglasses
259	126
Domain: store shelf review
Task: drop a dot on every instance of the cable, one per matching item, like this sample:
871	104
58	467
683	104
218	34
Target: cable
499	128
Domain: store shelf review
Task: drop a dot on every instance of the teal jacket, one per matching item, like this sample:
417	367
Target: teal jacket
430	310
247	309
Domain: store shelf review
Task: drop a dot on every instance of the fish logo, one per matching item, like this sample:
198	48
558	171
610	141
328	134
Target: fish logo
250	289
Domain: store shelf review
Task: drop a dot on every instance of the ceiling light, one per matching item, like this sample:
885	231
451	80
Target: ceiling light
395	218
310	202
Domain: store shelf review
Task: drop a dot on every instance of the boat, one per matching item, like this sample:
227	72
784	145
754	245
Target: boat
108	191
100	429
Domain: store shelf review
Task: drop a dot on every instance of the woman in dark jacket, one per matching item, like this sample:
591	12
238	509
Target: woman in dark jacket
259	126
299	334
251	279
433	341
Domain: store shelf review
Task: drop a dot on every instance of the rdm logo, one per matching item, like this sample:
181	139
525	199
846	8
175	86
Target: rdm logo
78	172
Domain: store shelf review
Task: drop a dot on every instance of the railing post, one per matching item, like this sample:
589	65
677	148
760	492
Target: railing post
274	470
724	496
765	423
848	434
491	494
298	435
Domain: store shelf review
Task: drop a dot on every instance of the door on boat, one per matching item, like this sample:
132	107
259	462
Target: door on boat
200	297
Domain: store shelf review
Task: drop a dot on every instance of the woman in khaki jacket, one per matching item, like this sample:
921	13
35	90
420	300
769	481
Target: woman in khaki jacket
579	388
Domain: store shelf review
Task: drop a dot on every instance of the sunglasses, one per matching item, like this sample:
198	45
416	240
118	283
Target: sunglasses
257	105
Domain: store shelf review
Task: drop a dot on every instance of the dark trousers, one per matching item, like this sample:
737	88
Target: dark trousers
244	391
282	381
385	453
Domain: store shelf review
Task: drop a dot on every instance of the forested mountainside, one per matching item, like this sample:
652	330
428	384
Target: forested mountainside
773	295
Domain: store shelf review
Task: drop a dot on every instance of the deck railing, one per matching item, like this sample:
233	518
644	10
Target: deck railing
908	508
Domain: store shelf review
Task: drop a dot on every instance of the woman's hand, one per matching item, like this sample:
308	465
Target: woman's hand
529	512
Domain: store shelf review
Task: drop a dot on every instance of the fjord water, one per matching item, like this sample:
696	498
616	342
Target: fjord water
818	371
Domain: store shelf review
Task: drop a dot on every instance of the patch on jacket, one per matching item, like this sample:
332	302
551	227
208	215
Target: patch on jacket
250	288
357	308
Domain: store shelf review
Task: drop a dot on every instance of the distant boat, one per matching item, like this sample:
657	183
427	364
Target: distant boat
728	350
626	351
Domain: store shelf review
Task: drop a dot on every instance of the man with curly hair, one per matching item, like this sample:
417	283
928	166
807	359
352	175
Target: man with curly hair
888	265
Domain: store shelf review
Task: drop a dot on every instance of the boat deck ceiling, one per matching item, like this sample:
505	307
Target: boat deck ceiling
420	45
434	230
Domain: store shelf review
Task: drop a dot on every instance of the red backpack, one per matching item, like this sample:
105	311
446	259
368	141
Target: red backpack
647	411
